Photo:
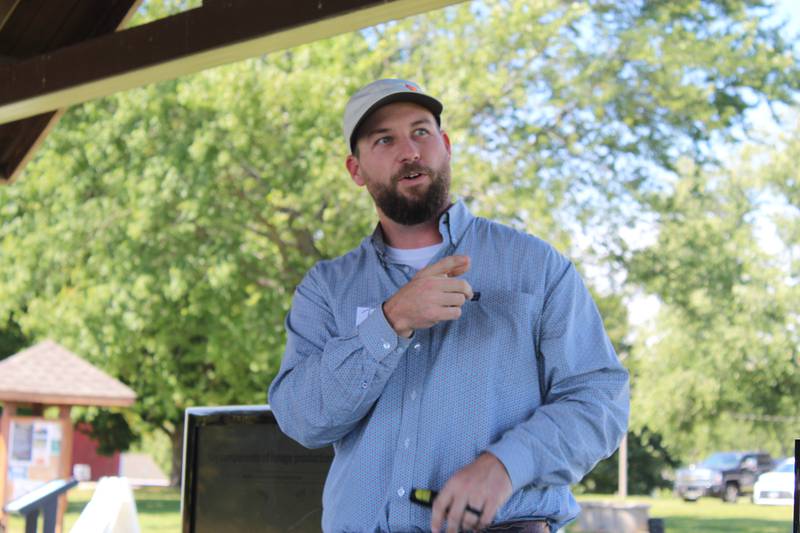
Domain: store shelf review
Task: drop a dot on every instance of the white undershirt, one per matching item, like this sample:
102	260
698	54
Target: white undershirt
414	257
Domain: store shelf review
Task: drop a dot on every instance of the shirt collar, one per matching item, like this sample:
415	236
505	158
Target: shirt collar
453	223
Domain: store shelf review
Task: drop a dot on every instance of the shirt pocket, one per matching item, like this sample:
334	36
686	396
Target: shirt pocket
498	334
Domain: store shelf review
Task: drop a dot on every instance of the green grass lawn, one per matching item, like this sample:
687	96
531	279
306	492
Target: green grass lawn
711	515
159	512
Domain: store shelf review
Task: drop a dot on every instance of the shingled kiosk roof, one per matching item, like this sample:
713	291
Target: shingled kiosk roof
50	374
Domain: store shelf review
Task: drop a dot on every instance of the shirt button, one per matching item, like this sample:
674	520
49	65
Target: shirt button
386	345
417	346
401	492
413	395
407	443
363	384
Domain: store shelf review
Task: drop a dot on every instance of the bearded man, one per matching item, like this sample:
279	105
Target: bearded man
447	352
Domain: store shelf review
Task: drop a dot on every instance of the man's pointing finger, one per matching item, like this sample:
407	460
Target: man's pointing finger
452	265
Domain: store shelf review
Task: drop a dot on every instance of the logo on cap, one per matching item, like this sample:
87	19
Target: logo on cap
411	87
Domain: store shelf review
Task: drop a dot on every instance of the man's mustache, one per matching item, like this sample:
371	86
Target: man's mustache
412	168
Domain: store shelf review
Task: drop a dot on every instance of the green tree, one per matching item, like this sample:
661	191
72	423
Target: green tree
160	232
648	459
779	177
718	369
12	340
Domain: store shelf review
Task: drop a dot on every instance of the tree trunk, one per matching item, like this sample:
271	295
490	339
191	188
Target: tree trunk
623	467
176	438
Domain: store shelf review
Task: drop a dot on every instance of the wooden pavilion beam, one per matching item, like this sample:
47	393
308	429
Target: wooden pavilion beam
219	32
20	139
6	8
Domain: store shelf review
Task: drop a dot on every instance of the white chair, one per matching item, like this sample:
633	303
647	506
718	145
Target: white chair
112	509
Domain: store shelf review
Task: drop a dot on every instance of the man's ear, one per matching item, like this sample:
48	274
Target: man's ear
354	168
447	146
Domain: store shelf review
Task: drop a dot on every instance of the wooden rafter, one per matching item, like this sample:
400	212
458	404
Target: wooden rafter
219	32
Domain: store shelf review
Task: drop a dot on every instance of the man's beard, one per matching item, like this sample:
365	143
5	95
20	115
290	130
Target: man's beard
413	207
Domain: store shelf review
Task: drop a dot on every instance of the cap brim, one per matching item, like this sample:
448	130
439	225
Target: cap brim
430	103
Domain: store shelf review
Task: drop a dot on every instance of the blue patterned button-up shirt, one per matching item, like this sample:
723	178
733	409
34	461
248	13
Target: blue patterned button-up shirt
405	413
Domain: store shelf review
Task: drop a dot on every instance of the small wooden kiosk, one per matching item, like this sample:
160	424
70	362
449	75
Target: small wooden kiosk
35	449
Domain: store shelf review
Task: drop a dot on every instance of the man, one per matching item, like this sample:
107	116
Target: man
446	352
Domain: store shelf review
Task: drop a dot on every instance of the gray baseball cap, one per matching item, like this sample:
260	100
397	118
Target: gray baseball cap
379	93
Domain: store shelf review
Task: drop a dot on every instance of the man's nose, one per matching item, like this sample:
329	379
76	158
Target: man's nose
409	150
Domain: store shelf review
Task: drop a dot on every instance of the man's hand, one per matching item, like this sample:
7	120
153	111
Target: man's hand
430	297
482	486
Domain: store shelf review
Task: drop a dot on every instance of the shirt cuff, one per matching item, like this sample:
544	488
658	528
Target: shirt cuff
515	456
378	337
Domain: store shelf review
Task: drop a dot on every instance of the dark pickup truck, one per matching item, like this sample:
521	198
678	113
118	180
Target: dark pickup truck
723	474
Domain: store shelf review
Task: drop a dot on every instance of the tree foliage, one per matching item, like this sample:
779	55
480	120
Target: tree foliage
719	367
160	232
12	340
648	460
110	429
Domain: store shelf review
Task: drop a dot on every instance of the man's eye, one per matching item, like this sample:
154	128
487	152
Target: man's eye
383	140
420	132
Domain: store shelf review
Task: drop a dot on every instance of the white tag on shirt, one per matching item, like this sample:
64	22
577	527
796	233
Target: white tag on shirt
362	313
